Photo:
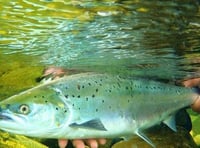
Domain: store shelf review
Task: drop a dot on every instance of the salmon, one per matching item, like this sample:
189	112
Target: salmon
92	105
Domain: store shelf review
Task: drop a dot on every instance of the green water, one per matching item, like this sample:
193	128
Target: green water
154	39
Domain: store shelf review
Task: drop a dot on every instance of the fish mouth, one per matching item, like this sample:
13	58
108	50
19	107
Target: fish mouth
5	117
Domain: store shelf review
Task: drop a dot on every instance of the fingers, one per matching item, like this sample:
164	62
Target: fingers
55	72
62	143
196	106
102	141
92	143
78	143
191	82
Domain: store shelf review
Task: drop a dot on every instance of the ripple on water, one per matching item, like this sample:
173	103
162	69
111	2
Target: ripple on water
122	37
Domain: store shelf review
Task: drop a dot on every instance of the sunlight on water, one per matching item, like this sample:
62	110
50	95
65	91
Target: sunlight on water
127	37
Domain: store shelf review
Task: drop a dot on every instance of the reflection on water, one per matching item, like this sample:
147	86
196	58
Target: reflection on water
148	38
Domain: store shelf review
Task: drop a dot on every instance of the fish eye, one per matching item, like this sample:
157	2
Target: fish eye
24	109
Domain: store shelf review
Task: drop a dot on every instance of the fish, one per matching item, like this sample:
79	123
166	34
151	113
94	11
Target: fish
94	105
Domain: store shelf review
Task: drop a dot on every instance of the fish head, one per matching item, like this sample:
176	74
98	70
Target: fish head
36	112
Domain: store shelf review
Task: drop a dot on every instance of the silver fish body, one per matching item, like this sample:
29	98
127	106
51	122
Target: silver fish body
91	105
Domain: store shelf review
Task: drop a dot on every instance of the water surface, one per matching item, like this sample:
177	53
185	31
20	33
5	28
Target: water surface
144	38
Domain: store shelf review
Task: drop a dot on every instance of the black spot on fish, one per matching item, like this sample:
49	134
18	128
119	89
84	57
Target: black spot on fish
89	84
109	90
46	101
101	80
79	87
57	92
83	86
7	105
119	84
103	101
126	87
42	96
65	111
73	96
66	96
56	108
73	105
78	96
93	96
35	96
100	84
96	110
97	90
96	82
87	99
128	101
66	87
79	108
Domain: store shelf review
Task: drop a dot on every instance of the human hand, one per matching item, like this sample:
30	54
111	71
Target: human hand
192	83
78	143
55	72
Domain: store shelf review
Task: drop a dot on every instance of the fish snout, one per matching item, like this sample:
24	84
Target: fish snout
3	114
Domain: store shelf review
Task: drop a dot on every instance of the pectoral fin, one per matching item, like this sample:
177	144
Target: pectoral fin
145	138
170	122
91	124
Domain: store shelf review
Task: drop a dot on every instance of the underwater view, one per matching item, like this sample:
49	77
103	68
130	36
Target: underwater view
156	40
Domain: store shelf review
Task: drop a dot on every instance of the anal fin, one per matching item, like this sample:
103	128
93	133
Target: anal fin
145	138
170	122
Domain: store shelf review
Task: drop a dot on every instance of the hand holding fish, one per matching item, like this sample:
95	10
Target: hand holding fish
192	83
93	143
78	143
89	104
196	106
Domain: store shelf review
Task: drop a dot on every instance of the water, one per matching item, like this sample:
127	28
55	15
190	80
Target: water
145	38
155	39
